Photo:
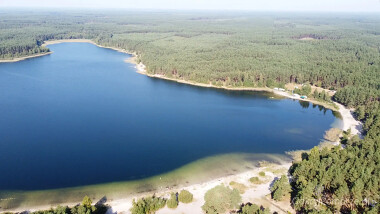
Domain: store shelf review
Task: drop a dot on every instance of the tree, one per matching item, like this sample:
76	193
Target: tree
147	205
360	112
349	176
280	188
185	196
221	199
86	202
253	209
172	202
84	208
316	94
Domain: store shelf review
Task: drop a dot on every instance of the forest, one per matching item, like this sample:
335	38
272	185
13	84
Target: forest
334	51
242	49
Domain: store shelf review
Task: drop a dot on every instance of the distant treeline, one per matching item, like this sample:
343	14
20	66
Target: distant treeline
244	49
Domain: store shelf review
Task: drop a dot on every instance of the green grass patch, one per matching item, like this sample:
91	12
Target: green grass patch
238	186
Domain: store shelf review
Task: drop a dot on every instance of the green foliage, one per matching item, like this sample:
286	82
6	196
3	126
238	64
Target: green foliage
280	188
305	90
86	202
147	205
321	96
240	187
84	208
262	50
253	209
185	197
221	199
58	210
332	134
355	96
254	180
262	174
345	180
172	203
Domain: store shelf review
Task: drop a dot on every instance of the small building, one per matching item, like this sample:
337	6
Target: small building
281	89
275	88
304	97
296	95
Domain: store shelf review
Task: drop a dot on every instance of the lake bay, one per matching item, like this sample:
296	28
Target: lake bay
82	116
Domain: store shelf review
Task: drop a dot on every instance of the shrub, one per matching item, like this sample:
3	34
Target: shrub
280	188
220	199
172	202
86	202
84	208
240	187
147	205
58	210
332	134
254	180
185	196
249	208
262	174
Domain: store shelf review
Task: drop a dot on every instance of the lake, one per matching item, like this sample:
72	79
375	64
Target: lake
82	116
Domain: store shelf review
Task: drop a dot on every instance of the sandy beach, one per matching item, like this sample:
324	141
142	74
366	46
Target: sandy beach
257	193
25	57
52	42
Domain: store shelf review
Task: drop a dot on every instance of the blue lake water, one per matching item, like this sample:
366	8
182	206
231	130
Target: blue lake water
83	116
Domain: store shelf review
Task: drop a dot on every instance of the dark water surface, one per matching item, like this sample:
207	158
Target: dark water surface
83	116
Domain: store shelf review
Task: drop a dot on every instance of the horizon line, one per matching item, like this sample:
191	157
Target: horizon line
185	9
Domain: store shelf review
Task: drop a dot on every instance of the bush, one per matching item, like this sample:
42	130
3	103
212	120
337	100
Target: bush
305	90
221	199
262	174
254	180
172	202
84	208
253	209
147	205
332	134
86	202
185	196
280	188
58	210
240	187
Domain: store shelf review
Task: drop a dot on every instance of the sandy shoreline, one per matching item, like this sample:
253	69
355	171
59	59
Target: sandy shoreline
25	57
52	42
349	122
255	193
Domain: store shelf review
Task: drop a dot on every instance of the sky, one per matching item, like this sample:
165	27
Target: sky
256	5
